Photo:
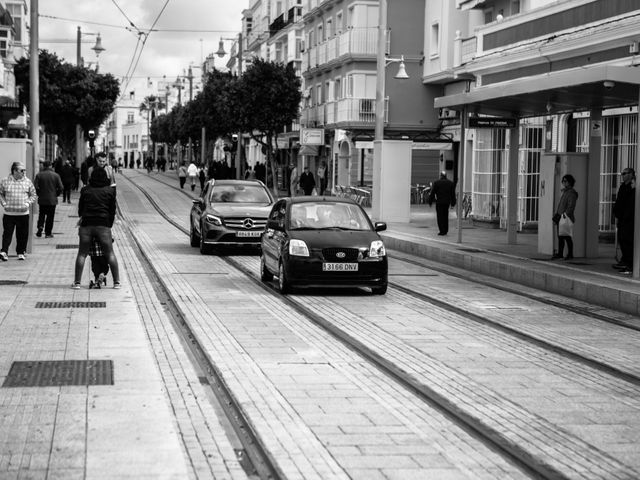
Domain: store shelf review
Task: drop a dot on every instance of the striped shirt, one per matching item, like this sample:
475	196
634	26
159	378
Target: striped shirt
16	196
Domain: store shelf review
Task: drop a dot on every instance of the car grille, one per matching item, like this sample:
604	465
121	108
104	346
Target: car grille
245	223
335	254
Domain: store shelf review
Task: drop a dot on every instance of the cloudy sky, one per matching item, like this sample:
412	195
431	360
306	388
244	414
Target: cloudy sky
185	32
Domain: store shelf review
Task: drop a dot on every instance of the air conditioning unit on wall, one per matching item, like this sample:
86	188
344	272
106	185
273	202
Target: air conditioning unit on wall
447	113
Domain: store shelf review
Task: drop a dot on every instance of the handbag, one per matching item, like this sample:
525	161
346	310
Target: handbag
565	226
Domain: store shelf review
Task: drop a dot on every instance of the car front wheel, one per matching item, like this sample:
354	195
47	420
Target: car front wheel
283	283
381	290
193	237
265	274
204	248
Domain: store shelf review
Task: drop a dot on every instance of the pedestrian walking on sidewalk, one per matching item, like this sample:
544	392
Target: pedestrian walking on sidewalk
192	171
17	193
48	187
443	192
101	162
68	176
564	217
307	182
97	211
624	210
182	174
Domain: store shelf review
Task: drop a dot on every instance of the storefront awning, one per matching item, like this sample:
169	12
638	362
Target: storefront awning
310	150
567	91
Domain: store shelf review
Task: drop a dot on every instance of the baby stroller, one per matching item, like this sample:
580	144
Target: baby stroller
99	264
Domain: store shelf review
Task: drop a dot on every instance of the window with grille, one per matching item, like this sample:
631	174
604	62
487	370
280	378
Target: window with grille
489	173
619	146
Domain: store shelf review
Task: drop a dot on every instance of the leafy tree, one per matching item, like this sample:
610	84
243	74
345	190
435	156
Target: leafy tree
268	100
69	95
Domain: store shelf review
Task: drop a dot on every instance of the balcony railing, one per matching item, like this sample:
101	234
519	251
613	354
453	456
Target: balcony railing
346	111
356	41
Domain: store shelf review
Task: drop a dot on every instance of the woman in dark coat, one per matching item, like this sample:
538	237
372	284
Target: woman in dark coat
68	175
566	206
97	211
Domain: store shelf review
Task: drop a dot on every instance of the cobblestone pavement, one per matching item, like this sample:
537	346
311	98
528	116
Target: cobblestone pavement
155	420
222	293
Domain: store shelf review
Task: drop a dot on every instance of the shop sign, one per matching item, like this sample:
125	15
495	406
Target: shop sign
312	136
482	122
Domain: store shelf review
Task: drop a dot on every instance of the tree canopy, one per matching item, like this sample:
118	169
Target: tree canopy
261	103
70	95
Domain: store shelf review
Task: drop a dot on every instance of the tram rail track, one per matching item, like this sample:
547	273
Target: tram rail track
510	449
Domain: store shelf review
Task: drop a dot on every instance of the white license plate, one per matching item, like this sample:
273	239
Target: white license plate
339	267
250	233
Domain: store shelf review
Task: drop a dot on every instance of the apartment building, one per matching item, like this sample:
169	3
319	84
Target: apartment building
566	73
14	44
340	80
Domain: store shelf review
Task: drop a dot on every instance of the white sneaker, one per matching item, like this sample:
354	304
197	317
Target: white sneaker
3	256
21	256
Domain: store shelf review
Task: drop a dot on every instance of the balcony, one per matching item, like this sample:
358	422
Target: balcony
560	29
346	112
357	42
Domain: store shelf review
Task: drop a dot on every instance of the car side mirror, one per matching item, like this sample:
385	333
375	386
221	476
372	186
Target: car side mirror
198	201
380	226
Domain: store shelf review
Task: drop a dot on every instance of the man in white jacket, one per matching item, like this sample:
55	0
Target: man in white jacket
192	171
17	193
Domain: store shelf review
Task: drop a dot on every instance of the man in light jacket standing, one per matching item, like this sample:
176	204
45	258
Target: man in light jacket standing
17	193
48	186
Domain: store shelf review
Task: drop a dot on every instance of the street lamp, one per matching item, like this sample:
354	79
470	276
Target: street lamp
98	49
221	53
380	167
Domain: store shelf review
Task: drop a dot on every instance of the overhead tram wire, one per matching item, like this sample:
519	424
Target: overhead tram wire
146	37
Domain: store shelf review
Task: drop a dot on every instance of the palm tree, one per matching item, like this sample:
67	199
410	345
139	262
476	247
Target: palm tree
151	104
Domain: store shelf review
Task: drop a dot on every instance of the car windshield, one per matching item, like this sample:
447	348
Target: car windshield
239	194
328	215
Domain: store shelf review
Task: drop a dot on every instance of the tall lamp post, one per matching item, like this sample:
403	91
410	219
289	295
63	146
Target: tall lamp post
98	48
221	53
382	62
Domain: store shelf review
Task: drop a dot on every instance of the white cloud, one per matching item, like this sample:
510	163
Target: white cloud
188	30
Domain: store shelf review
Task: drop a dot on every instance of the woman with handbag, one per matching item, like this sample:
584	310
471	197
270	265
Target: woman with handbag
564	217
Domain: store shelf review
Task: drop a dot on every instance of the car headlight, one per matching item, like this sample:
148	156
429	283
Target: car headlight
213	219
377	250
298	248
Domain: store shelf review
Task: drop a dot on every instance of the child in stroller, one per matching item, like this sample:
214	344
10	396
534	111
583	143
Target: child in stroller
99	265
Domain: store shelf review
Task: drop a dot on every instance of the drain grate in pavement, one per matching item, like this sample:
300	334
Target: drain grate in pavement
71	305
61	246
12	282
58	373
472	250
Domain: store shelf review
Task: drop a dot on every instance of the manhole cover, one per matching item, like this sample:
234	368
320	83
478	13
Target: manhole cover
71	305
58	373
12	282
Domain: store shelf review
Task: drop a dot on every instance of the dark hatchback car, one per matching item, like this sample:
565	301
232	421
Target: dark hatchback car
230	213
323	241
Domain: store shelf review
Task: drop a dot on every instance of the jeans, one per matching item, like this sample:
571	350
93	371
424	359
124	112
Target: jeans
103	234
19	223
45	218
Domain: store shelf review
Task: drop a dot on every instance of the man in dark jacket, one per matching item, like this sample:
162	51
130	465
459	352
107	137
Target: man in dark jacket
48	186
624	211
444	193
68	176
307	182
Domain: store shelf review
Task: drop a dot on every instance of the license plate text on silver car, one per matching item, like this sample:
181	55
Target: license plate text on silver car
339	267
250	233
